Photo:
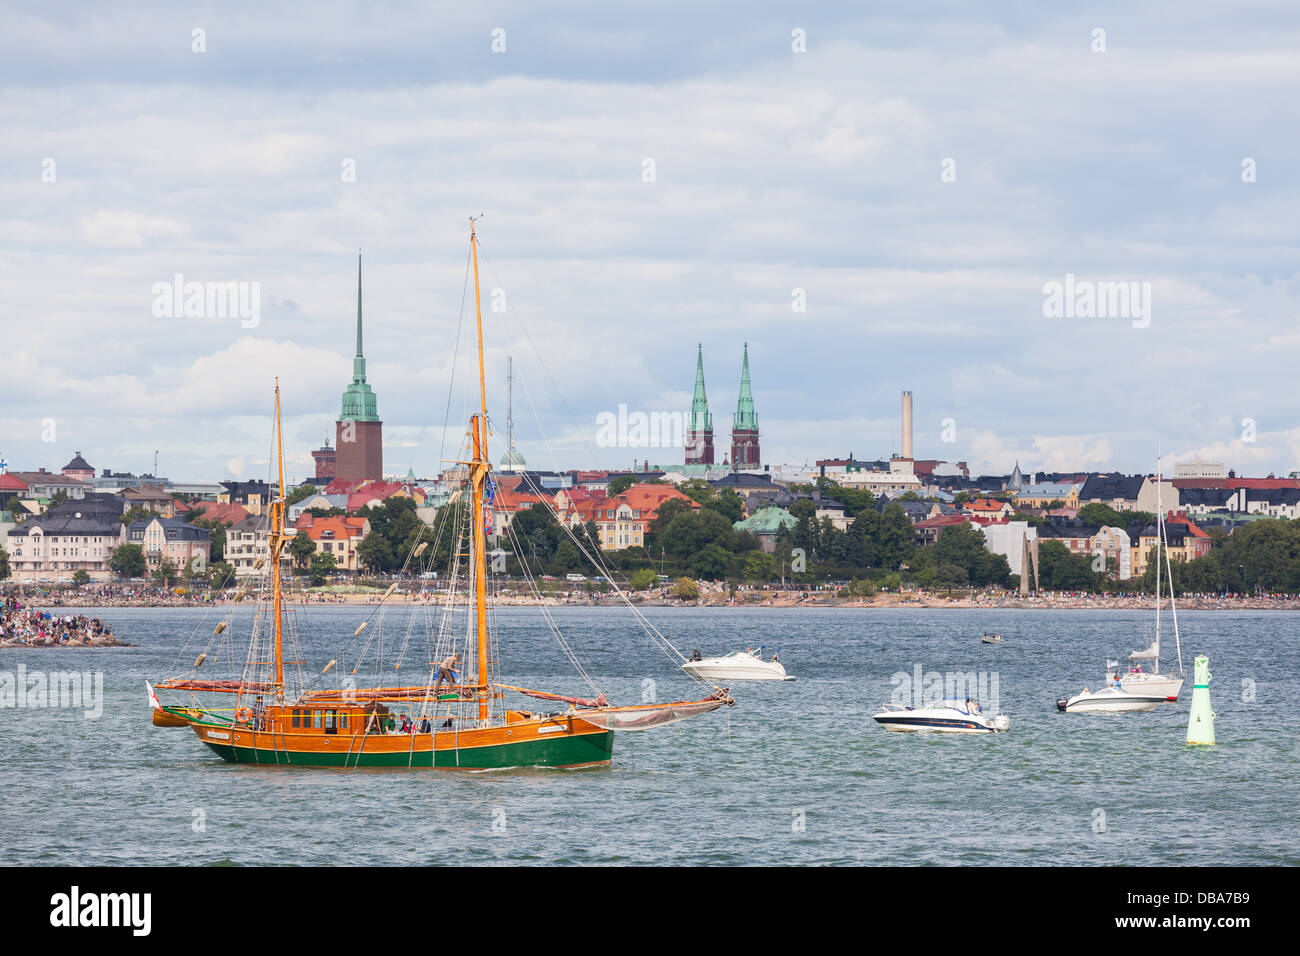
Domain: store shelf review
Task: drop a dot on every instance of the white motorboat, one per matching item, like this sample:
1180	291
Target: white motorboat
945	716
991	639
738	665
1109	700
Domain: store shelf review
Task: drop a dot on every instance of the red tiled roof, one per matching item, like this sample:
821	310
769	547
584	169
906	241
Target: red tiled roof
1194	531
227	514
342	527
10	482
985	504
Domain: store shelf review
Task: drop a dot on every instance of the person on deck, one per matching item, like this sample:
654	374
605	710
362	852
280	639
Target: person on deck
447	672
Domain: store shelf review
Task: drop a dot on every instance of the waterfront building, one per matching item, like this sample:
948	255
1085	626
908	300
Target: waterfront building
171	540
623	520
50	549
337	535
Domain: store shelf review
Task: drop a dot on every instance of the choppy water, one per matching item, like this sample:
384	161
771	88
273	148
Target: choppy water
795	773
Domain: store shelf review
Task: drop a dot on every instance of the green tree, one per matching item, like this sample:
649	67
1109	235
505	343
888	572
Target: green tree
684	589
698	490
728	504
620	484
712	563
375	553
4	564
322	566
138	513
221	574
302	548
165	573
896	537
669	510
80	578
643	579
128	561
693	531
60	497
300	493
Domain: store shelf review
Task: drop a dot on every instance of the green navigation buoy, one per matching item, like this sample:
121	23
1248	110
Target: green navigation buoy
1200	723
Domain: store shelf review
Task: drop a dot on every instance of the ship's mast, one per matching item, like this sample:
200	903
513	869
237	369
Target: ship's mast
479	468
277	543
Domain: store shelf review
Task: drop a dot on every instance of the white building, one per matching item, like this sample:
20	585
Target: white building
1196	468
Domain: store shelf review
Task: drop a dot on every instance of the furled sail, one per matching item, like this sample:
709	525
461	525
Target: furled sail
1150	654
646	716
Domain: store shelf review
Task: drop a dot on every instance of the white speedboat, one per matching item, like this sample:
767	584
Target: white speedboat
738	665
945	716
1108	700
991	639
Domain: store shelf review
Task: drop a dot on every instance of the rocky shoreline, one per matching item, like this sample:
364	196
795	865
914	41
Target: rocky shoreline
758	598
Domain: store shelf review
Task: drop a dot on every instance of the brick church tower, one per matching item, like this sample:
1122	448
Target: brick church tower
744	426
359	442
699	433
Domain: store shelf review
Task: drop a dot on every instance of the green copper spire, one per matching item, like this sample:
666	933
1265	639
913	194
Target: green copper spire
701	420
358	399
745	417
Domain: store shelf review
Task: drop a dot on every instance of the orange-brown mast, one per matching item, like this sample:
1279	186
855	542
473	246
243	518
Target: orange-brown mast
277	543
478	475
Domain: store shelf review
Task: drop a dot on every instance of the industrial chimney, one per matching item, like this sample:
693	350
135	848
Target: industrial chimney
907	424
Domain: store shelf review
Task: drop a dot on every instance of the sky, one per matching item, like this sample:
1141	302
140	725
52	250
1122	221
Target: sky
873	196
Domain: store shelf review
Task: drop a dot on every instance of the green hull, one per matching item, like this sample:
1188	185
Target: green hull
560	751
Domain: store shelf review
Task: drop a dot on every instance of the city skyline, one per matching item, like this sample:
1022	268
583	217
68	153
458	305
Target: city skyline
913	185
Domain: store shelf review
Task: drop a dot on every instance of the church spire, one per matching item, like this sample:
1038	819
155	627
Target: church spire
701	420
359	352
745	452
745	419
358	398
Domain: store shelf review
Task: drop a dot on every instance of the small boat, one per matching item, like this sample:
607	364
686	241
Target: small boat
1108	700
945	716
738	665
991	639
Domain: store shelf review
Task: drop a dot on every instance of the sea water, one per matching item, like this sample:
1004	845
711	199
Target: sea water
796	773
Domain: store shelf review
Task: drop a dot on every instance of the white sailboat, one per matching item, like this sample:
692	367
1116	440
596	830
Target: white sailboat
1153	683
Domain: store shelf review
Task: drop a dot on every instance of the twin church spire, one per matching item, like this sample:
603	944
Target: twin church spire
744	424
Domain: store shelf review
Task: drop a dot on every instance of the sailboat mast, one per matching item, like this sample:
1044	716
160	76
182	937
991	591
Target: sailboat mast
1173	607
277	543
478	475
1160	540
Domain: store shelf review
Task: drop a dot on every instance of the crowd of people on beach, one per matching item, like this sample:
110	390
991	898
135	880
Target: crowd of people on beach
23	626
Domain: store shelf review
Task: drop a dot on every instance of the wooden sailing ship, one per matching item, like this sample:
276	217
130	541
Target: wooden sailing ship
460	723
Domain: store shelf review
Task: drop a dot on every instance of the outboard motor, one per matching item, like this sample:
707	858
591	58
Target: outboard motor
1061	702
